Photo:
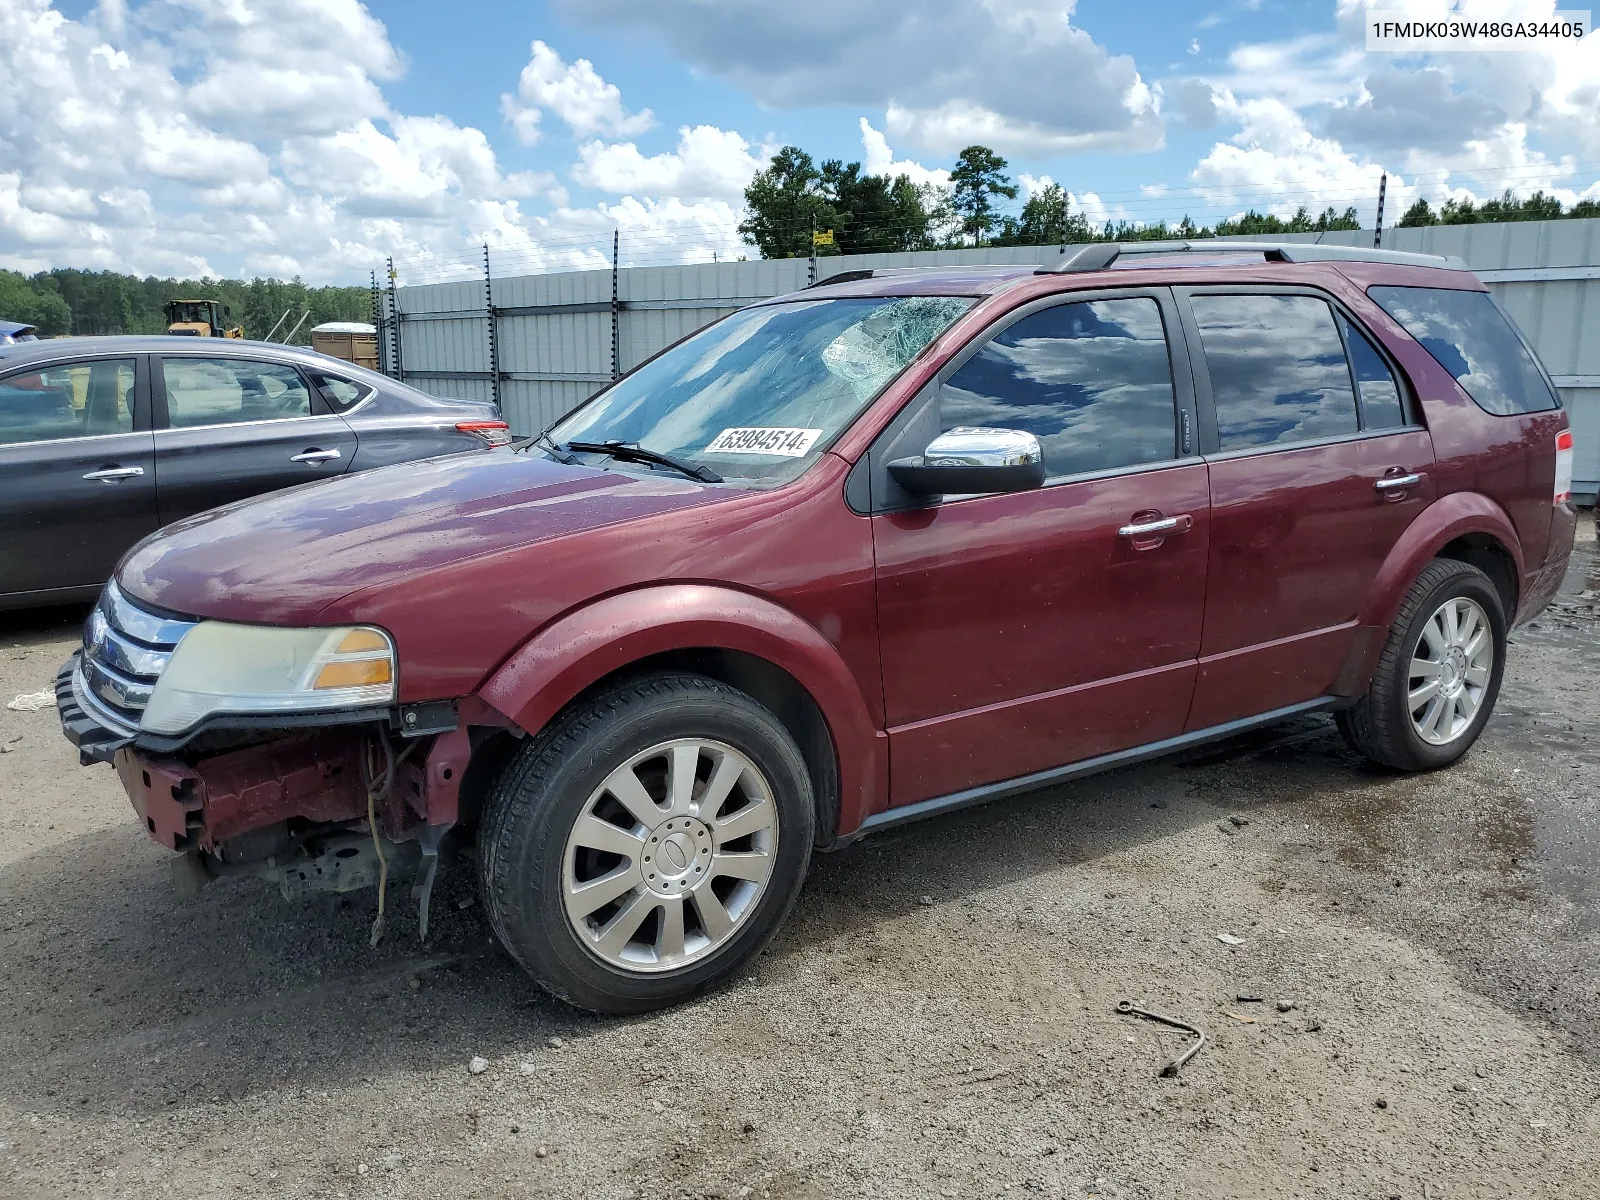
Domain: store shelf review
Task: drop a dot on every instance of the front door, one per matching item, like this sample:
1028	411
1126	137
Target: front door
1318	468
77	473
1021	632
228	428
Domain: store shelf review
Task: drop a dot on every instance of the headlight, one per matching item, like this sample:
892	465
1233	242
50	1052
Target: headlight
261	669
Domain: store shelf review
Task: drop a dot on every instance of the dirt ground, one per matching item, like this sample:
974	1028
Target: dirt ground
938	1019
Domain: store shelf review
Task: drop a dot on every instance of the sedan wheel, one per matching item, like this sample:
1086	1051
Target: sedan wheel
1450	670
670	854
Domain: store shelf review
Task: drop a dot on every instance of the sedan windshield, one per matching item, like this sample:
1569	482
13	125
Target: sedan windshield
759	396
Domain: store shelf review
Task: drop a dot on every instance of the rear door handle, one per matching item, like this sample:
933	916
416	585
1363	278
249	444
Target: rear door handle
1141	529
115	474
1390	483
315	456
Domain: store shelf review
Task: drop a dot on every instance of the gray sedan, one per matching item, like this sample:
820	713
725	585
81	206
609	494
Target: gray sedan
104	440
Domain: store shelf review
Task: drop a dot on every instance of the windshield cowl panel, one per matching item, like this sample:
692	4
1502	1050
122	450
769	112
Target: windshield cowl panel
758	397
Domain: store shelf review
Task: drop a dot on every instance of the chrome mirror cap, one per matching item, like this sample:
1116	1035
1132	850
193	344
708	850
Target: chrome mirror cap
974	446
971	461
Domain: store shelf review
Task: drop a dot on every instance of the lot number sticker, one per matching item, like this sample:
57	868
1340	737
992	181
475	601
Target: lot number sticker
783	443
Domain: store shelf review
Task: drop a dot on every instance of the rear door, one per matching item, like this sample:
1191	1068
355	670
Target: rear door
232	426
1020	632
1318	463
77	471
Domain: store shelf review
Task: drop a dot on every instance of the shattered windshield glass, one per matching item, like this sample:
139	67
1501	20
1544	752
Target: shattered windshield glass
758	396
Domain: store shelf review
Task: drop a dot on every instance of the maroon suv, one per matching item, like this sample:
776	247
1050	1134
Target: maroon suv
904	542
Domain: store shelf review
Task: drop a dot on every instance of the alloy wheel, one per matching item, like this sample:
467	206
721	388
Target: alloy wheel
669	855
1450	669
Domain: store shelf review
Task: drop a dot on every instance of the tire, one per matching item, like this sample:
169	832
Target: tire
543	841
1384	725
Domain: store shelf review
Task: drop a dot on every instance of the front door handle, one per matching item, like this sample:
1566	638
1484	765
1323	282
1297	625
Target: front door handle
315	456
1391	483
1159	528
115	474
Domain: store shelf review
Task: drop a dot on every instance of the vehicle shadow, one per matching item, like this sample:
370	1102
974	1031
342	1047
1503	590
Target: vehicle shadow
120	995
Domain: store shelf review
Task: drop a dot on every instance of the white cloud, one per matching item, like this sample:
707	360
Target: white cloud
1320	115
292	66
574	92
878	159
1014	73
708	162
252	136
1276	163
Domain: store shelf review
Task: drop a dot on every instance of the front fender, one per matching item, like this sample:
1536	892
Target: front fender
1441	523
563	659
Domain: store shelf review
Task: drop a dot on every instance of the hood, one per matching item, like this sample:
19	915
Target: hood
283	557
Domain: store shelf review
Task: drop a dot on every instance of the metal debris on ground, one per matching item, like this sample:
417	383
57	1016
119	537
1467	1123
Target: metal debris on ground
1248	998
1227	939
1128	1008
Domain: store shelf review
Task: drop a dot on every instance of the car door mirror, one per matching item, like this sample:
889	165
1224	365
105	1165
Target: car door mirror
966	460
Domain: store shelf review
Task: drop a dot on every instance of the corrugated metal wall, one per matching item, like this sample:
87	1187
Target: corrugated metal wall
553	334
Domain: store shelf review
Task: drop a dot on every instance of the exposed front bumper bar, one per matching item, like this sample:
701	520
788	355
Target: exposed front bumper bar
310	770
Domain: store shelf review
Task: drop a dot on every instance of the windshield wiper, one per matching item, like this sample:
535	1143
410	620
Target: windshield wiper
633	452
554	447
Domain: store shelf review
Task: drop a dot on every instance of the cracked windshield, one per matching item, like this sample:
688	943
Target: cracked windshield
757	397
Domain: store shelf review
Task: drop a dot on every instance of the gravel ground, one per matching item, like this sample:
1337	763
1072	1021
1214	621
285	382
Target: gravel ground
938	1019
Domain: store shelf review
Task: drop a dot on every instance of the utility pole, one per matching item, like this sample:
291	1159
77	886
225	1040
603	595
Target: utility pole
1377	229
616	307
488	312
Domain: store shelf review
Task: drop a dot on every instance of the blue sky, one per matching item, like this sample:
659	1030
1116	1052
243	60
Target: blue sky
315	137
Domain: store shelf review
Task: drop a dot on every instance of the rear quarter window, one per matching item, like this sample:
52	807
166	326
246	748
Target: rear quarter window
1470	337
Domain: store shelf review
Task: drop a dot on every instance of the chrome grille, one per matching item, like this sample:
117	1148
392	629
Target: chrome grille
125	649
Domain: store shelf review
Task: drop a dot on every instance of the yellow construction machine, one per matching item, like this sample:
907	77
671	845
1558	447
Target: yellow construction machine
201	318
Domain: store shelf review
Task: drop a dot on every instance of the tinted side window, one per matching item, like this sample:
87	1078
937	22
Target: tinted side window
73	400
341	394
1381	405
1092	381
219	391
1277	368
1472	339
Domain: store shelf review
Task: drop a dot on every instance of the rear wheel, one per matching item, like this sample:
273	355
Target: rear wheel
1438	674
647	844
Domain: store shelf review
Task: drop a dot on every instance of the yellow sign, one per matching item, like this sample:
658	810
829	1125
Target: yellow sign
822	237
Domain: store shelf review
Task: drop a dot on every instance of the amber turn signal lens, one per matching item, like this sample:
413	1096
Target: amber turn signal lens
358	640
361	673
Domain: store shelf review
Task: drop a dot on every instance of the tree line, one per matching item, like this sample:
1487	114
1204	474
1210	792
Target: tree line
68	301
795	196
1509	207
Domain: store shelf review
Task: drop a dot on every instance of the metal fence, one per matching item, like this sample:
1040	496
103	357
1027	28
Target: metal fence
539	345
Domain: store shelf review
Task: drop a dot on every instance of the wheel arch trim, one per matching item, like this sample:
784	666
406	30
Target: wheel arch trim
565	658
1448	518
1442	522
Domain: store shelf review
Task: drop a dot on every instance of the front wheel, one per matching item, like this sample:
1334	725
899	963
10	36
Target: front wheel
1438	674
647	844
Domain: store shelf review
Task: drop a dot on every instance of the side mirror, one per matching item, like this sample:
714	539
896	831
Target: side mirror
967	461
226	311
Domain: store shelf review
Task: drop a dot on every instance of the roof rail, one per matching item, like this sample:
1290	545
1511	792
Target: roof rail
1097	256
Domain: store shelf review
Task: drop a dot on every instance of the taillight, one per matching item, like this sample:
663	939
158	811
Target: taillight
1563	466
496	433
